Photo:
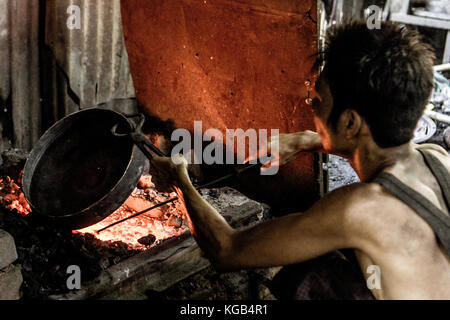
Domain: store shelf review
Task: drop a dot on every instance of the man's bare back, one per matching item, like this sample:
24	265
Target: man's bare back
413	264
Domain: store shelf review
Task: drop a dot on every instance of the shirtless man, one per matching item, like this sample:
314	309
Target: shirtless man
366	103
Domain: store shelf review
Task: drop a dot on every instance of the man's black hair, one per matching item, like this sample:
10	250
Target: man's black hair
385	74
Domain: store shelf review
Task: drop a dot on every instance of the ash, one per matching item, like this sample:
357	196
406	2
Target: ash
341	173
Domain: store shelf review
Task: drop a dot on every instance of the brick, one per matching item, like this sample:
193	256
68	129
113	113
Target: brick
10	282
8	253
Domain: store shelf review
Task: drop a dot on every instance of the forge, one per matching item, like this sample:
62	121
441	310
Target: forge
146	230
146	255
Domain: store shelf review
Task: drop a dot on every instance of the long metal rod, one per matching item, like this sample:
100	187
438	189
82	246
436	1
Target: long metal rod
143	143
206	185
139	213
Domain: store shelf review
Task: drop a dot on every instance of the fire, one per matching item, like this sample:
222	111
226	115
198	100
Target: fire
132	230
159	224
12	197
162	223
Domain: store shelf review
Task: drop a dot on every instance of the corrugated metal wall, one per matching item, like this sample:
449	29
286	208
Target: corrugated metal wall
19	80
49	70
93	57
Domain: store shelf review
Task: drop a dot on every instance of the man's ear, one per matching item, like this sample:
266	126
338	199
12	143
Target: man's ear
350	123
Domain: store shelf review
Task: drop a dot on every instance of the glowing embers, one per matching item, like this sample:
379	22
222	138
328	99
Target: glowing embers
147	229
139	233
12	197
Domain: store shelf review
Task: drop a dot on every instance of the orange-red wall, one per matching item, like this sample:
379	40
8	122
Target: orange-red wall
232	64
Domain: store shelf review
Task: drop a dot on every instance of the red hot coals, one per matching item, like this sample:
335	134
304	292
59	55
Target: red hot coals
12	197
147	229
139	233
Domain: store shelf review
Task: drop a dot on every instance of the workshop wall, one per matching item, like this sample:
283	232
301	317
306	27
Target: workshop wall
50	70
19	80
231	64
92	56
85	60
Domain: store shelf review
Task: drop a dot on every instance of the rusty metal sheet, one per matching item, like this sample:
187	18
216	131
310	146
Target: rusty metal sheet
232	64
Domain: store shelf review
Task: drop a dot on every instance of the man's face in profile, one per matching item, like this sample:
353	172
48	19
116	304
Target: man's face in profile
322	103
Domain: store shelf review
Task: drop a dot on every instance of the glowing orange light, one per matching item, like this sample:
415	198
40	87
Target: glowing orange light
130	231
12	197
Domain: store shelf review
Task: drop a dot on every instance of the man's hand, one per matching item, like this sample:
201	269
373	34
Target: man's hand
291	144
168	171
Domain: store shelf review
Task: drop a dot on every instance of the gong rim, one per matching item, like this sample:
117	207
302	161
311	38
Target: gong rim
113	197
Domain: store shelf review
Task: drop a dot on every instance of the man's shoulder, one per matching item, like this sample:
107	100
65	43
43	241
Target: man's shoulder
440	153
362	201
356	210
357	201
435	148
357	193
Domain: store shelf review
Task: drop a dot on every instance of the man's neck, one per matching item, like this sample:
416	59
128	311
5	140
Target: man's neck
368	160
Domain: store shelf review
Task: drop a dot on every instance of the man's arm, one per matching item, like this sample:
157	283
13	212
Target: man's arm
291	144
290	239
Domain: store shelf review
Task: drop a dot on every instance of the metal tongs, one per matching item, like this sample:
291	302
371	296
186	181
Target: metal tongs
139	138
143	143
